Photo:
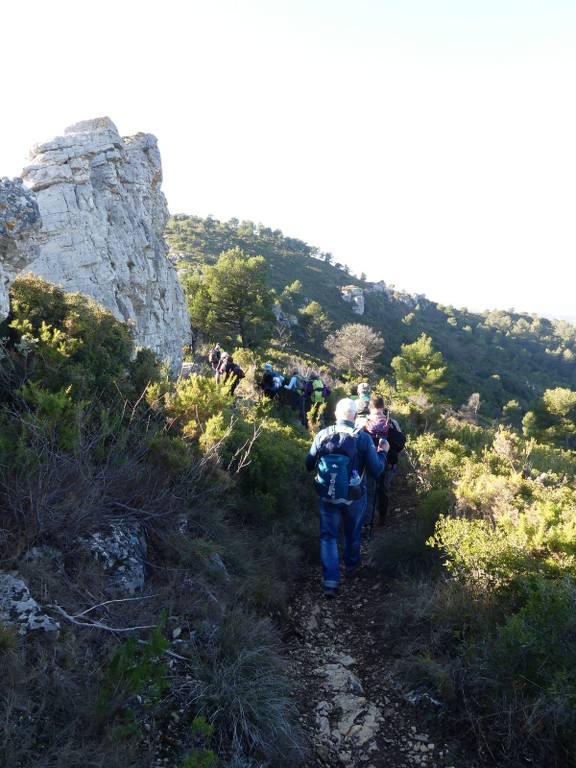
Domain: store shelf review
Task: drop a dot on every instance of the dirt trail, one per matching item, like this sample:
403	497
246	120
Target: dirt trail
354	710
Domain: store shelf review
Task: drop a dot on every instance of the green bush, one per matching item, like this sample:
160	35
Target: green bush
63	340
144	371
201	757
193	402
136	670
478	552
436	461
272	477
529	671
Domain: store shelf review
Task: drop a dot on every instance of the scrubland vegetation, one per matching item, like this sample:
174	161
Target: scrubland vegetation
90	438
480	614
486	627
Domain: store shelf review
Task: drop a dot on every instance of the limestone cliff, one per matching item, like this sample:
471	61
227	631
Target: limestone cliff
103	216
19	217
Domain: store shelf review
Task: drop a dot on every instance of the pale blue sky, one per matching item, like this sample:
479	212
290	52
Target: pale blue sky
428	144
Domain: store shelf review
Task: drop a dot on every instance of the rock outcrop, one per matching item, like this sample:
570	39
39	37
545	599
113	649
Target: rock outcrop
355	296
103	216
120	552
19	610
19	218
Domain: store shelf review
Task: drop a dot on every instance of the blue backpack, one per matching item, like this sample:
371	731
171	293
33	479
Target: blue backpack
334	467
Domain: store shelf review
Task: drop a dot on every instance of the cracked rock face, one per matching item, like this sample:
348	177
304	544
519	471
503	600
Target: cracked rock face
103	216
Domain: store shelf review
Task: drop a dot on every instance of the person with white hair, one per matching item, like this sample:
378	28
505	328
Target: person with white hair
343	439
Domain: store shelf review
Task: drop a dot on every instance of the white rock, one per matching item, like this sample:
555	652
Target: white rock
355	296
103	217
19	609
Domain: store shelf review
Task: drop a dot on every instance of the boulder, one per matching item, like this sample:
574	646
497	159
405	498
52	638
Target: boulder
355	296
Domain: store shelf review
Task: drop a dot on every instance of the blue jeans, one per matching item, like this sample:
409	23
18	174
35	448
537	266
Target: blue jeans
351	515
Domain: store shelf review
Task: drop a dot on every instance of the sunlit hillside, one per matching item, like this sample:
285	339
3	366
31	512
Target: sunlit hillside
505	357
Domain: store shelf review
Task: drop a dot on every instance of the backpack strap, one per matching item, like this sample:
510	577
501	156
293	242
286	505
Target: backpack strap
353	432
330	431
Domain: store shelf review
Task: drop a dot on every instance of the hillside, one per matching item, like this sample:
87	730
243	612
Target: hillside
161	597
508	358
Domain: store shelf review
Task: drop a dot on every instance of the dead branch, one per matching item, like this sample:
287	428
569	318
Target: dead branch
98	624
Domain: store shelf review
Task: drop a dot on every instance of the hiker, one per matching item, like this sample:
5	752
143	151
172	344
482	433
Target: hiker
363	398
270	382
221	367
229	371
296	388
317	395
380	424
329	446
278	380
214	357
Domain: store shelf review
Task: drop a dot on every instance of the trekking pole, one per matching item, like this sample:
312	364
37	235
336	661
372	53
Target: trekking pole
371	527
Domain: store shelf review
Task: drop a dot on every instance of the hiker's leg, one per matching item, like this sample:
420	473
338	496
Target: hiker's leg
370	491
353	515
384	494
329	532
302	410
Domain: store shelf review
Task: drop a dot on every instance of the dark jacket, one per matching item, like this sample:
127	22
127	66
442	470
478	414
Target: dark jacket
367	458
228	368
380	426
397	442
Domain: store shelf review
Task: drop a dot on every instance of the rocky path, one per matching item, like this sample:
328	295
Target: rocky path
353	709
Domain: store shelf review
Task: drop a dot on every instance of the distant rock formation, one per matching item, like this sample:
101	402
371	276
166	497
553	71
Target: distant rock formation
283	319
103	217
380	287
355	296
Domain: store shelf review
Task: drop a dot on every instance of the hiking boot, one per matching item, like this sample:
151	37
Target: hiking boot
330	592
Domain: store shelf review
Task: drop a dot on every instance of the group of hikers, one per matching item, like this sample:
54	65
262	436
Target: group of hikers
354	460
305	395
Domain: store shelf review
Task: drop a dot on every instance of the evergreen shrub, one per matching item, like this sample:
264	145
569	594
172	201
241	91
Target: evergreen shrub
63	340
274	480
528	671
